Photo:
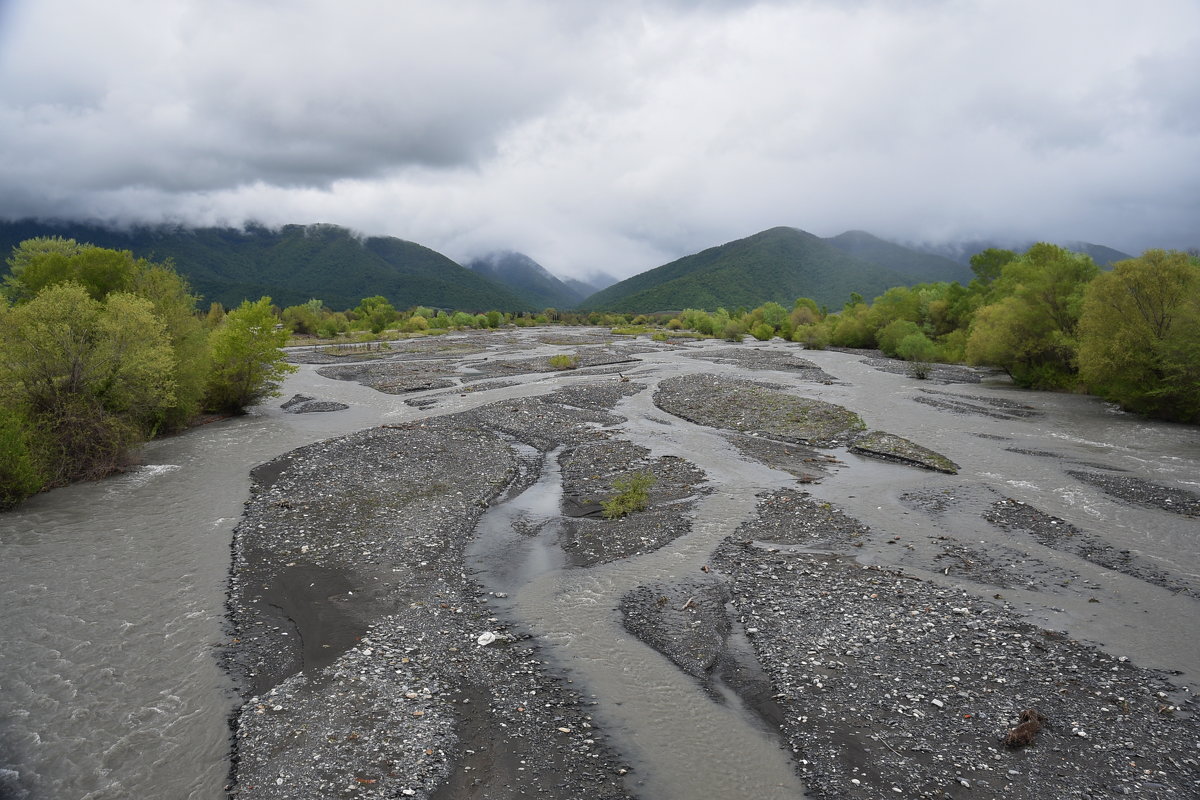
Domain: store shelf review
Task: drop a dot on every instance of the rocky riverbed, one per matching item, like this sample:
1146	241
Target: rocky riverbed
887	655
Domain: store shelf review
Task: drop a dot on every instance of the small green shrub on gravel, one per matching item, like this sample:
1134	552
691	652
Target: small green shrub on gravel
563	361
633	494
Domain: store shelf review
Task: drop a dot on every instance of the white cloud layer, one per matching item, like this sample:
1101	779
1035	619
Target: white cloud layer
614	135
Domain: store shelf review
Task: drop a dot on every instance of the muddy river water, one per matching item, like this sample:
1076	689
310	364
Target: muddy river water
114	592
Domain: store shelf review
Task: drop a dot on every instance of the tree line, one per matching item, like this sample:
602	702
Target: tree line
100	351
1048	317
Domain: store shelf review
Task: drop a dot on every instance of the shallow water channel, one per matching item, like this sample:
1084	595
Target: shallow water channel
114	591
680	743
113	602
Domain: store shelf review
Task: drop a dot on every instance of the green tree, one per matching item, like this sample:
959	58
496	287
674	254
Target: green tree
305	318
1139	336
988	264
916	346
216	313
91	378
377	312
805	312
37	264
897	303
774	314
248	363
762	331
889	337
175	305
1029	327
20	475
851	328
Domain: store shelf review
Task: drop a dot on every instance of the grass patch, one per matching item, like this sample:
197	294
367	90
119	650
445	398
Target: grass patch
356	348
563	361
633	494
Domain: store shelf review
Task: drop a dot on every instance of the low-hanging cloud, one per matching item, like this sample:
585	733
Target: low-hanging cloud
610	136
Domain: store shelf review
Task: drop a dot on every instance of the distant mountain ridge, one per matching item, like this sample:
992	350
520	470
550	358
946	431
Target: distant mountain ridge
962	251
293	264
777	265
784	263
331	263
595	282
928	267
527	279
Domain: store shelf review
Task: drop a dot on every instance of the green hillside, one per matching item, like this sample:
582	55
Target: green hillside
919	267
777	265
293	264
527	279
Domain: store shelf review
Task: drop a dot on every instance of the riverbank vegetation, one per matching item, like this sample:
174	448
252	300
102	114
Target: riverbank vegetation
1048	317
100	351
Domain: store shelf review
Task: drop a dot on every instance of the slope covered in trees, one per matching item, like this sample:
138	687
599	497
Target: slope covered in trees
918	266
776	265
293	264
527	279
1049	317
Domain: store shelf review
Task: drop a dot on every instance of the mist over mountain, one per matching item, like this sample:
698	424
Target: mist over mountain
961	251
297	262
292	264
592	283
777	265
527	279
923	266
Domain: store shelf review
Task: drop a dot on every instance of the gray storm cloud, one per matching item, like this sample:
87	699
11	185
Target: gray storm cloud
609	136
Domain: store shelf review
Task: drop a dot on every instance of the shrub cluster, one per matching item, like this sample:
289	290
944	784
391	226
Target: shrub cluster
100	351
632	494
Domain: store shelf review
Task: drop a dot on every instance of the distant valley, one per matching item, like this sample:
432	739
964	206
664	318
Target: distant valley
297	262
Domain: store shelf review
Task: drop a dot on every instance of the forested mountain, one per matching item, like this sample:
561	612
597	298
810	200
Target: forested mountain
777	265
527	279
962	251
1103	256
293	264
918	266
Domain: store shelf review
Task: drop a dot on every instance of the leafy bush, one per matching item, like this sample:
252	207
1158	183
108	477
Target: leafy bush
247	362
19	474
89	378
564	361
813	337
917	347
1140	336
888	337
633	494
733	332
920	370
762	331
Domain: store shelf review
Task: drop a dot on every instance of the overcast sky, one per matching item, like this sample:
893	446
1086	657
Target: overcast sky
612	135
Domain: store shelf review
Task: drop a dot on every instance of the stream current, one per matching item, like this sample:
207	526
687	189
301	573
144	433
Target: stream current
114	591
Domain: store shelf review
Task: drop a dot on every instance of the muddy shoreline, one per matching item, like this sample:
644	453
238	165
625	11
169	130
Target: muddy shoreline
374	662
